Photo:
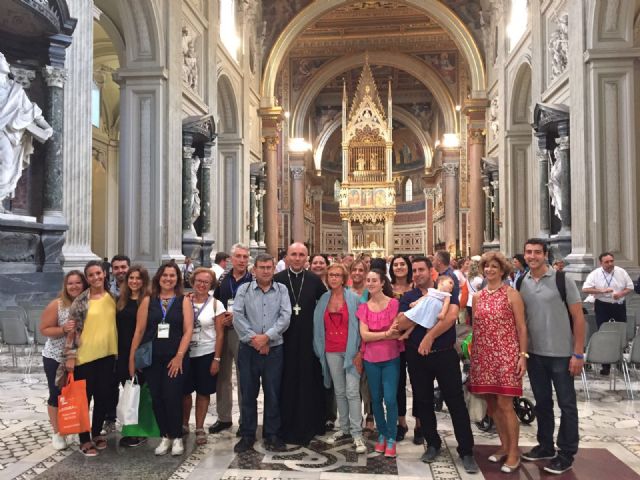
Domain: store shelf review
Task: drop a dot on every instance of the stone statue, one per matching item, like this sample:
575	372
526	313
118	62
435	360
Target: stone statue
20	120
558	47
374	161
555	185
360	162
195	193
189	60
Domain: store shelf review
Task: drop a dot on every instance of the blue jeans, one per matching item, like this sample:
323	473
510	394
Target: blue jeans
543	372
383	383
346	386
254	368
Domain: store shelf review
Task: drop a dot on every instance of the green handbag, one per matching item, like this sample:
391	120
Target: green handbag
147	425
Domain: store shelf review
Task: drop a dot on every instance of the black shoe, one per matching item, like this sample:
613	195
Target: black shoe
243	445
274	444
132	442
430	454
606	370
558	465
401	432
219	426
538	453
418	439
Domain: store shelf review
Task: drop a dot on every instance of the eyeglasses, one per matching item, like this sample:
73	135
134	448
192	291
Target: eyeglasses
203	282
335	275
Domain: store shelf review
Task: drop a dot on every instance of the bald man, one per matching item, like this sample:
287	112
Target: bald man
302	401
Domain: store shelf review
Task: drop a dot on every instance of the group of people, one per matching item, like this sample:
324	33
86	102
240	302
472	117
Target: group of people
329	342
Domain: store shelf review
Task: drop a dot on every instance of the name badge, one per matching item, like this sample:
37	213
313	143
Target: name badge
230	304
163	330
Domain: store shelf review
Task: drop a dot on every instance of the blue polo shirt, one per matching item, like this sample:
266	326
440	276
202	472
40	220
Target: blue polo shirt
448	338
228	286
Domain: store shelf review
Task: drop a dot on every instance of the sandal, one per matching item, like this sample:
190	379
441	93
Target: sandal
88	450
101	442
201	436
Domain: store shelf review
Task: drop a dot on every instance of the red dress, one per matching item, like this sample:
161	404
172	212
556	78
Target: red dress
496	349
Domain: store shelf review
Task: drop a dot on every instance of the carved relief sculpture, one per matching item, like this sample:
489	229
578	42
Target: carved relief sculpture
558	46
494	125
20	120
189	60
555	181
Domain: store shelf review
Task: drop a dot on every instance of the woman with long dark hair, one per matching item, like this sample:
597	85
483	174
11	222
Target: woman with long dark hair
55	324
135	288
165	319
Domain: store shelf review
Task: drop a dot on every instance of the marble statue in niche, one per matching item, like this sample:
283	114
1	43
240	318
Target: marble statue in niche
195	193
558	46
374	161
20	121
189	60
555	179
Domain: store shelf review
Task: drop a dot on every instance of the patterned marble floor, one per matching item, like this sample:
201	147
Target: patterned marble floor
609	430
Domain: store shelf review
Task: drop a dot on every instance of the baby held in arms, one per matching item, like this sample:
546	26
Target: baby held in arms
430	308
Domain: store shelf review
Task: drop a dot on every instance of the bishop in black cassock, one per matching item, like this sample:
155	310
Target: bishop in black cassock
302	402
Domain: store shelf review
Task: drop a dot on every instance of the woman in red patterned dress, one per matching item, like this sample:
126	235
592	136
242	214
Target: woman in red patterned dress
499	358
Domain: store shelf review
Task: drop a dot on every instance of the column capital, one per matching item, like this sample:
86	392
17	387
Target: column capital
206	162
271	143
430	193
297	172
23	76
476	136
495	184
563	143
187	152
54	76
449	169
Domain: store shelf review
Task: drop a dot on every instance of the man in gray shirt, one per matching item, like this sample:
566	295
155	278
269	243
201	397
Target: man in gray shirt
556	355
261	314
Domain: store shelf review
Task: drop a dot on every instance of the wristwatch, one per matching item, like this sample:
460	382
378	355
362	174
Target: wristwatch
217	359
524	354
579	356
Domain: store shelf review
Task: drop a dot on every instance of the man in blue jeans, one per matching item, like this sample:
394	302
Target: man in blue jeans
261	314
556	348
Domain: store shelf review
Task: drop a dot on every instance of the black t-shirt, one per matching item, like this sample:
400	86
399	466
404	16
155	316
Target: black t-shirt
448	338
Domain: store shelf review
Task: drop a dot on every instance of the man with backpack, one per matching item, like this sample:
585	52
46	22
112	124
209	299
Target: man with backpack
555	324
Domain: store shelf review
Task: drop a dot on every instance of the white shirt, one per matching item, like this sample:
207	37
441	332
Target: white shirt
203	340
280	266
619	279
475	284
218	270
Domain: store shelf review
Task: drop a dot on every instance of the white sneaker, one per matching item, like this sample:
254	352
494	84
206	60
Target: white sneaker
163	448
178	447
360	445
336	437
58	441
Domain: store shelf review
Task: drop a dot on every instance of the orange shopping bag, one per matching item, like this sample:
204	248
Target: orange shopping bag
73	408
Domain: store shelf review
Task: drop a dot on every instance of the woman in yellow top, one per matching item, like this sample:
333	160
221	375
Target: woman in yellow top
91	349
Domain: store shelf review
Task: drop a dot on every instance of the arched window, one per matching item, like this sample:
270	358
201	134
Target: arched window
228	33
518	19
408	191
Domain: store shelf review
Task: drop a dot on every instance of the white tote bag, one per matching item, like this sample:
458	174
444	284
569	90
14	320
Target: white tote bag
127	410
476	405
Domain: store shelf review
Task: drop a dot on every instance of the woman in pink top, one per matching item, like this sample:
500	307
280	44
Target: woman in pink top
381	356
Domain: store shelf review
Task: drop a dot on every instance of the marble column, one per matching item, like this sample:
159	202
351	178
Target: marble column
430	203
543	187
496	210
270	155
205	190
488	207
450	208
476	200
563	155
297	203
77	140
253	212
260	199
55	79
187	160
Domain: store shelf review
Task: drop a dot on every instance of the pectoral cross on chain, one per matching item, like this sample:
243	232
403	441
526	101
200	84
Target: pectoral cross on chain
297	309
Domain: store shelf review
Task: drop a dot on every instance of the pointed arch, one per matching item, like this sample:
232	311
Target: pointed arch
520	111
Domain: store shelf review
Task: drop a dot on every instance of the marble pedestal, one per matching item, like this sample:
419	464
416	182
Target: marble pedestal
199	249
490	247
559	246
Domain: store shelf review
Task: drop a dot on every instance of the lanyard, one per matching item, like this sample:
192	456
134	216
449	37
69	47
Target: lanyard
165	310
198	311
608	280
232	280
